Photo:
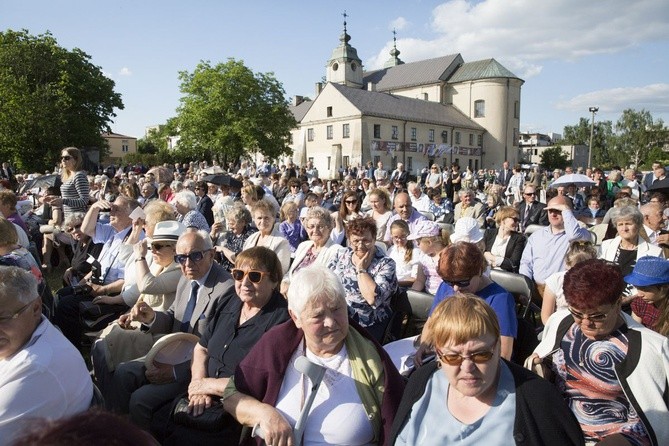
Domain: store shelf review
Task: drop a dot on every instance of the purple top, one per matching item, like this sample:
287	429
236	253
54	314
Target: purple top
293	232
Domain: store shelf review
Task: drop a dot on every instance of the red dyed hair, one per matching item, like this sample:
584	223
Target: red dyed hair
461	260
593	283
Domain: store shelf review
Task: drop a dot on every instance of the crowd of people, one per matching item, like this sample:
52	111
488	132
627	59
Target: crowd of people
191	293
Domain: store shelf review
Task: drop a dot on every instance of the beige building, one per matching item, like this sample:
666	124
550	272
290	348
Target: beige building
440	110
119	146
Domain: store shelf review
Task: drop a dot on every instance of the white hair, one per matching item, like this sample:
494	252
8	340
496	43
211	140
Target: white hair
311	283
186	198
18	283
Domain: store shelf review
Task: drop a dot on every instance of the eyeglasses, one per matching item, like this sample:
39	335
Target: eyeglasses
399	237
17	313
362	242
457	359
193	257
73	228
597	317
459	283
158	247
312	227
531	194
65	158
351	201
255	276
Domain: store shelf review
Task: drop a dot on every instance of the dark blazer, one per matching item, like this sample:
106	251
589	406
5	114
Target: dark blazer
542	416
514	249
204	206
538	215
218	289
501	177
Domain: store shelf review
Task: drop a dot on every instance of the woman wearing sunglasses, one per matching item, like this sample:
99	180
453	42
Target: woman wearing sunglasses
611	370
232	331
348	210
470	395
461	266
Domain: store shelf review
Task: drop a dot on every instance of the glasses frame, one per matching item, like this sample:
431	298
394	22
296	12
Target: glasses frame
456	359
194	257
597	317
351	201
252	274
459	283
159	246
17	313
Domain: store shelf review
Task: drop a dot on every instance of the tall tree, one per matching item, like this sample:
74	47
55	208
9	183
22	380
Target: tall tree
638	137
554	158
579	134
228	110
51	98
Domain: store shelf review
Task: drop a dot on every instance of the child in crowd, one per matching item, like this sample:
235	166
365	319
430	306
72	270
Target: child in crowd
431	240
290	226
553	298
405	254
650	306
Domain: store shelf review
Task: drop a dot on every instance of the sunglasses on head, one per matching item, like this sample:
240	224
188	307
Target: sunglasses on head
255	276
193	256
459	283
457	359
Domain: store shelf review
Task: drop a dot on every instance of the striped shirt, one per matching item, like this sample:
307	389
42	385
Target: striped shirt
75	194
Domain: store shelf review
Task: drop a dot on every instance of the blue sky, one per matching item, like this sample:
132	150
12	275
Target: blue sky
572	54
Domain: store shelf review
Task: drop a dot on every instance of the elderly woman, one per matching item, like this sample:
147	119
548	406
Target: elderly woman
231	333
504	245
461	265
380	211
628	246
318	249
470	395
349	209
368	277
268	235
361	387
185	203
230	243
610	369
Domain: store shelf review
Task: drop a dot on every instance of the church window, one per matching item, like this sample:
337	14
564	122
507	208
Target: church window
329	132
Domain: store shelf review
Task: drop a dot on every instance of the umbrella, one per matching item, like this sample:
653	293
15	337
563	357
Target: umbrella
661	186
212	170
162	174
573	178
222	179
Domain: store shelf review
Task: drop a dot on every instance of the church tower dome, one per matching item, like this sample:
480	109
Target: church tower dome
394	54
344	66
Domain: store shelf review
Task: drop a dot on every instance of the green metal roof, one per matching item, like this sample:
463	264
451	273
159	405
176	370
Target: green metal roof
481	69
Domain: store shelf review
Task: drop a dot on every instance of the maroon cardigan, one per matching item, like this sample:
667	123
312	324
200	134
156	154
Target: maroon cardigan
261	372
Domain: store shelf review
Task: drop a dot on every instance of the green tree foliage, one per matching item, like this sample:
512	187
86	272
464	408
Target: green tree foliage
228	111
639	138
50	98
579	134
554	158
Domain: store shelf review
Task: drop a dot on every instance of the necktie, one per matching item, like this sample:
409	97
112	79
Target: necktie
190	307
527	215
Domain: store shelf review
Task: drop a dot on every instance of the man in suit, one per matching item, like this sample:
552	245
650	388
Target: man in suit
531	211
400	175
657	174
204	203
469	207
141	389
504	175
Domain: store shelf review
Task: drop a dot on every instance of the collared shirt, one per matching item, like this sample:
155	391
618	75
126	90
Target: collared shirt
227	342
422	203
652	235
112	265
545	251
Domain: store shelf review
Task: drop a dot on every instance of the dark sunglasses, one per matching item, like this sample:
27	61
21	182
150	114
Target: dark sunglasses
459	283
158	246
255	276
193	256
528	195
457	359
351	201
598	317
65	158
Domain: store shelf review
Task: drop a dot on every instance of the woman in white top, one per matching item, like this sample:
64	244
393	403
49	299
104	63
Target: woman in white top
348	210
381	212
268	235
553	298
434	178
504	245
405	254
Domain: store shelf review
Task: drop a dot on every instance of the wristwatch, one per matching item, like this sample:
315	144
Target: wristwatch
360	271
139	259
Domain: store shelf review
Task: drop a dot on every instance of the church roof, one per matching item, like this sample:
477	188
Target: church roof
300	110
481	69
385	105
424	72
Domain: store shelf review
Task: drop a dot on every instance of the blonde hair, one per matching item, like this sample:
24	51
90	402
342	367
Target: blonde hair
8	234
285	208
76	155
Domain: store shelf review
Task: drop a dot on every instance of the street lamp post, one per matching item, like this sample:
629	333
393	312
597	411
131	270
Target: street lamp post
592	110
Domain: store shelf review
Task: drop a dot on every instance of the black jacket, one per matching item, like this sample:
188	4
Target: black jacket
514	249
538	214
542	416
204	206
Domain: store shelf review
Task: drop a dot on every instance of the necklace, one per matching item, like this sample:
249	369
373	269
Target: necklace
246	315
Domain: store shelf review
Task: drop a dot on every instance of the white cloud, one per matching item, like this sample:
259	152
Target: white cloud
399	24
614	100
523	34
125	71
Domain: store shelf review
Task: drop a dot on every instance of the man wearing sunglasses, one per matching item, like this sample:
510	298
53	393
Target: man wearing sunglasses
531	211
141	389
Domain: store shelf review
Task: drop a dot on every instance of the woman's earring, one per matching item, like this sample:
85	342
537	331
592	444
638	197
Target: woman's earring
438	364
